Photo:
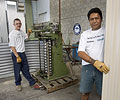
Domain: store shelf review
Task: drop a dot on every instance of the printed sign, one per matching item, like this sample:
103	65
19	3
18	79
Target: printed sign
77	29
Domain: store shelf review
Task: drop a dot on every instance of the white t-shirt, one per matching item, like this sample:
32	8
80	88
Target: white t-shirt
16	39
92	43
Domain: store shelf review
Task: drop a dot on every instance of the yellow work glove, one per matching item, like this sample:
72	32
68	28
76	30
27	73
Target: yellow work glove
19	60
29	31
101	66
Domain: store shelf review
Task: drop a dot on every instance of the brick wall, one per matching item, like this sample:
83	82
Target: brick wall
74	11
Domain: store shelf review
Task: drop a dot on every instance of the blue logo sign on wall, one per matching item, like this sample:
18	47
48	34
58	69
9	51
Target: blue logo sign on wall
77	29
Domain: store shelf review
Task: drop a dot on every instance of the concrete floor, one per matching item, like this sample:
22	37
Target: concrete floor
8	91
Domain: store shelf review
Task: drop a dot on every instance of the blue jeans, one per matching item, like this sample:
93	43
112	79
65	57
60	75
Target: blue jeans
24	67
89	76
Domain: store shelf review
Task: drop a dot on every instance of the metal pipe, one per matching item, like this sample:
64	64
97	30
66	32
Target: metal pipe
60	16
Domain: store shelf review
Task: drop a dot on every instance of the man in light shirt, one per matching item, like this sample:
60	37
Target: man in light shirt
17	45
91	51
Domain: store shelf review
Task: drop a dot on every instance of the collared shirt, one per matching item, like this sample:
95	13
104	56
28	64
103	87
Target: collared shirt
92	43
16	39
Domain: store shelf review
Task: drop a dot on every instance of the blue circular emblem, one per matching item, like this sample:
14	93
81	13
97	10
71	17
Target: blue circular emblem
77	29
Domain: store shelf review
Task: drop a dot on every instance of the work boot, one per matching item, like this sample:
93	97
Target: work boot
36	86
19	88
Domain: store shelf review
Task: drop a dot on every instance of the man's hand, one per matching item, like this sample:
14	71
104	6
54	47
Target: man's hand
101	66
19	60
29	31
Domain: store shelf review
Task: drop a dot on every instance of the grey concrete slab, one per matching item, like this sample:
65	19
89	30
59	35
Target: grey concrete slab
8	91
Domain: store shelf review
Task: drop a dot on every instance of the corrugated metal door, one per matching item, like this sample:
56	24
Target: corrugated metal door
6	65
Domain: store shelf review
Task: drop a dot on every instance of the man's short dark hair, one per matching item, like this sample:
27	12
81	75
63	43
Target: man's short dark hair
16	19
94	10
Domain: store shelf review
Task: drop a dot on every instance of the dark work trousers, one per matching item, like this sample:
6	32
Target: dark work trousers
24	67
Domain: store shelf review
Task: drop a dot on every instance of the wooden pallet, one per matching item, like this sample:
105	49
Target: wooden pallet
57	84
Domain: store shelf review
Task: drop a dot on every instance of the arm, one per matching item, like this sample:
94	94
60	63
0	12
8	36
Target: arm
19	60
85	57
98	64
14	51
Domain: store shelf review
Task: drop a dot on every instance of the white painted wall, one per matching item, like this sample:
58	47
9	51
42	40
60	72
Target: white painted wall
72	12
111	81
43	10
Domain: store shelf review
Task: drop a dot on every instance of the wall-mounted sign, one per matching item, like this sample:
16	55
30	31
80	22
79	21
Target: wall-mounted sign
77	29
